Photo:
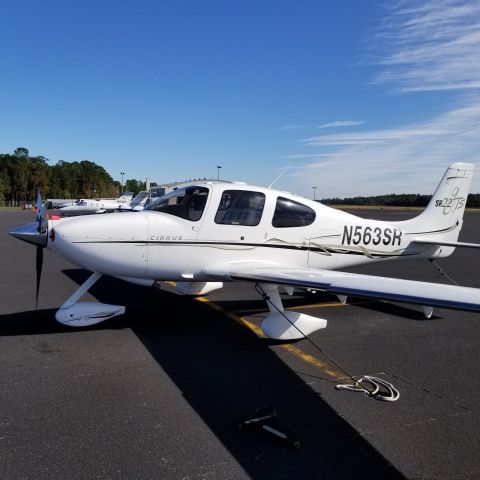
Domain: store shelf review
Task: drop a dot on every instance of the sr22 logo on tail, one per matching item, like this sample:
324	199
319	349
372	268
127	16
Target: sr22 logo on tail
451	203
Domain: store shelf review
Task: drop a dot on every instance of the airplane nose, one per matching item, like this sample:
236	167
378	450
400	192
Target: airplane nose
29	233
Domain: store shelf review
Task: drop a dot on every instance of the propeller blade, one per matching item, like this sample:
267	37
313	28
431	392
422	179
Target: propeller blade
37	234
39	207
41	217
43	224
38	265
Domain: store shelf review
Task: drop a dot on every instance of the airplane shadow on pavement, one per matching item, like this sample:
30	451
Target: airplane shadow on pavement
224	372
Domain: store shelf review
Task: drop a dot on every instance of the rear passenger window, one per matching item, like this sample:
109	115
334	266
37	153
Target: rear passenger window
240	207
289	213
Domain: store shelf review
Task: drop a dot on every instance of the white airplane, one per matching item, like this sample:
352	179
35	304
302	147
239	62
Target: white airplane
84	206
202	235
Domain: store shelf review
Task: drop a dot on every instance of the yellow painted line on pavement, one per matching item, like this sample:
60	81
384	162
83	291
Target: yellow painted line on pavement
319	305
250	311
329	305
293	350
311	305
252	326
306	357
218	308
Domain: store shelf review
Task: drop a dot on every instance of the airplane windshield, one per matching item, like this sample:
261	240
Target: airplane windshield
187	203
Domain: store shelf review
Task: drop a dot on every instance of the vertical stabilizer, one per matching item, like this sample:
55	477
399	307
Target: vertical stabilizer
125	198
442	219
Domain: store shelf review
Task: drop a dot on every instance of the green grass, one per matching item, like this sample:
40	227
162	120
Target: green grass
11	209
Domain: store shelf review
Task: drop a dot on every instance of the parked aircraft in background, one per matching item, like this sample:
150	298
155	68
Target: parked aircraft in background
124	198
138	203
83	206
211	232
55	203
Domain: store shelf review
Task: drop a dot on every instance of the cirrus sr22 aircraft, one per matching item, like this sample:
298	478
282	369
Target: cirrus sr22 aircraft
212	232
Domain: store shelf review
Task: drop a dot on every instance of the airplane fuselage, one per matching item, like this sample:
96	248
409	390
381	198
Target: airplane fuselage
165	245
204	234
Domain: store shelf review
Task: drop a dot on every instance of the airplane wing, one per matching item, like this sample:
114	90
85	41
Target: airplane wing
358	285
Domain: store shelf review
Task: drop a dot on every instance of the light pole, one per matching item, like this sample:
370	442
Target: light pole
218	172
122	174
314	191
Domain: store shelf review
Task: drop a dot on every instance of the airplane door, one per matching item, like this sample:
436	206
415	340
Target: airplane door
236	219
247	225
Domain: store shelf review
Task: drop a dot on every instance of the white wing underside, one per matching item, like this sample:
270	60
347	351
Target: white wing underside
353	284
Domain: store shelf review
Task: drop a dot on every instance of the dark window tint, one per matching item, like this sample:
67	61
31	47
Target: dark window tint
187	203
239	207
289	213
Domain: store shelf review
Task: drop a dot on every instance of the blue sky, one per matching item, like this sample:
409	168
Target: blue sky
358	97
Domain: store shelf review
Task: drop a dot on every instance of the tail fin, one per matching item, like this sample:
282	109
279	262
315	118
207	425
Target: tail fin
140	199
125	198
442	219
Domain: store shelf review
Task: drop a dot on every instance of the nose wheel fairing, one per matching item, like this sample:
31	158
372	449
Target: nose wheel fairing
82	314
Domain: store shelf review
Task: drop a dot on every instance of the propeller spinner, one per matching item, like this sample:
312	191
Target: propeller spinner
35	233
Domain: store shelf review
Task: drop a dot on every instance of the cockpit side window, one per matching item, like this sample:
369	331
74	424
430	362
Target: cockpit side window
188	203
240	207
289	213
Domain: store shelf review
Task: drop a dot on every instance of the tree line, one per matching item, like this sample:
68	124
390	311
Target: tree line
396	200
22	175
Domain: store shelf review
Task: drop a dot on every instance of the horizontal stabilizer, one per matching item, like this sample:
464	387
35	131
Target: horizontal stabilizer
447	244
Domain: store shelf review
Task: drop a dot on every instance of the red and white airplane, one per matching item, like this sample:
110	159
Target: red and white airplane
212	232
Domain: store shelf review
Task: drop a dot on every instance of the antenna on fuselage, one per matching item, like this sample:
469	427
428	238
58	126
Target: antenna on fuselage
282	172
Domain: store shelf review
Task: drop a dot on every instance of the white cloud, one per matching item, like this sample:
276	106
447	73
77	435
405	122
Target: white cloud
297	156
372	137
431	47
408	159
342	123
336	124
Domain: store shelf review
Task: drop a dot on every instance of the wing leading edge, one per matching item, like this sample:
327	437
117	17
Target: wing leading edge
353	284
